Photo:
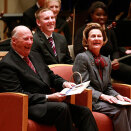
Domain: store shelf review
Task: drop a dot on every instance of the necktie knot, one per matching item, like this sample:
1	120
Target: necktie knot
50	39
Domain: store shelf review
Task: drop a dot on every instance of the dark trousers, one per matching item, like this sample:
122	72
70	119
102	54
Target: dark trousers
68	117
120	115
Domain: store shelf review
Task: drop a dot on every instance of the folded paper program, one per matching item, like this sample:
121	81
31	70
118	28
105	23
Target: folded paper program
75	89
123	102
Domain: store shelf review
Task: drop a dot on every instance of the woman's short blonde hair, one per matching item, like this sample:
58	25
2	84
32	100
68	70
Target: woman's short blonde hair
88	28
46	2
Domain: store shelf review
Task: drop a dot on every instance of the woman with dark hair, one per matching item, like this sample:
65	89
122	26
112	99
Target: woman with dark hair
96	68
98	13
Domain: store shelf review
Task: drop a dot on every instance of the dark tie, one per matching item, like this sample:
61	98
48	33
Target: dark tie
27	60
51	42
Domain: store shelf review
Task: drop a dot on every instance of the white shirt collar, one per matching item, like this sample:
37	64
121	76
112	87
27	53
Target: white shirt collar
19	54
47	36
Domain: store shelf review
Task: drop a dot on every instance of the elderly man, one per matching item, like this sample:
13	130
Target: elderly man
22	71
51	45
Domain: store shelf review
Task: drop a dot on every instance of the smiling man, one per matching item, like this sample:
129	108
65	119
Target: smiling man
52	46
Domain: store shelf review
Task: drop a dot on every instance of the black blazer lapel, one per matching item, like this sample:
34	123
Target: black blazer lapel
41	68
46	43
57	45
21	63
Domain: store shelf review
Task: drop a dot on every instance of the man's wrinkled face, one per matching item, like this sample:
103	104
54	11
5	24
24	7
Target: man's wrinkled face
22	42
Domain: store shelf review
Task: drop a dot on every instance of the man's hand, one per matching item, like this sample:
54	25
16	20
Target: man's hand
56	97
115	64
68	84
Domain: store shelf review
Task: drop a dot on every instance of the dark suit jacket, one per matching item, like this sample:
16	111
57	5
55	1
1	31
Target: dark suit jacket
85	65
42	46
17	76
29	17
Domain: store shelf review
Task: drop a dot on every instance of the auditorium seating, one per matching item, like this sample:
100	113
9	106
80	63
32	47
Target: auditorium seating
14	107
104	123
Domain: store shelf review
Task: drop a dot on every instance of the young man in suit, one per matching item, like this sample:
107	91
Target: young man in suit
59	54
29	15
34	78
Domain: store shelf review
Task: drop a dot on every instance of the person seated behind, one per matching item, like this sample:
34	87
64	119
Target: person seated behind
59	54
98	12
61	24
29	15
5	44
34	78
96	68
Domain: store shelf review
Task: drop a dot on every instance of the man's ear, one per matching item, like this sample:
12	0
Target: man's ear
13	41
38	22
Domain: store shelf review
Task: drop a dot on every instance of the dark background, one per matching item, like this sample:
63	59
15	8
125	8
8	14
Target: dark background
114	6
81	7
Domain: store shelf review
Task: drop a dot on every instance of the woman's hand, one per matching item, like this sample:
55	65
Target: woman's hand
110	99
123	98
115	64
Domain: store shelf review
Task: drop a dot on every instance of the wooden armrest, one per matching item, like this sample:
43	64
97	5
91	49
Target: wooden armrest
84	99
2	54
13	111
123	89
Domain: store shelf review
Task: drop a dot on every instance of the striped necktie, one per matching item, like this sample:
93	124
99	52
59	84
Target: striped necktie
27	60
51	42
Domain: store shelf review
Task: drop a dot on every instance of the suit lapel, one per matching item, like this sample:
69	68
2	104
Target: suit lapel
94	67
57	46
21	63
46	43
105	75
40	68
